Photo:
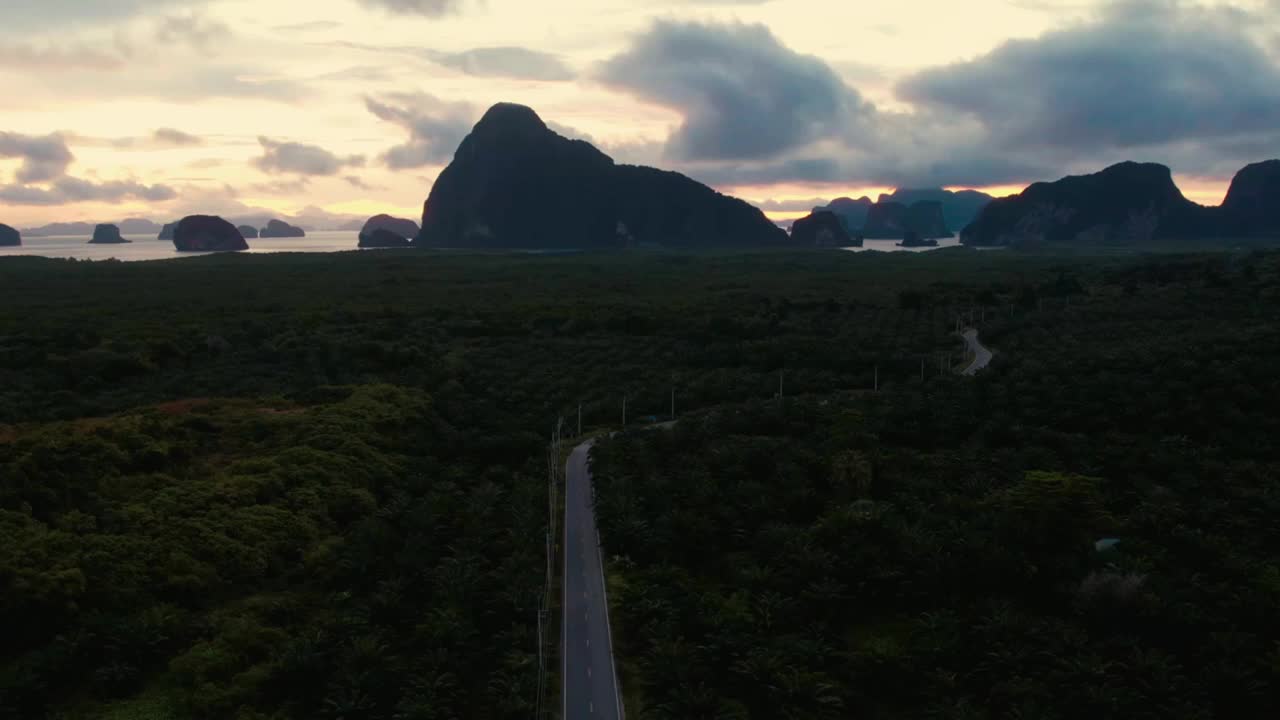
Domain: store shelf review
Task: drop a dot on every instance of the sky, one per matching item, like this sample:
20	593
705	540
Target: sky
332	108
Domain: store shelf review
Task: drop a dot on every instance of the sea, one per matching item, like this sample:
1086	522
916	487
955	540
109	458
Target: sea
892	245
149	248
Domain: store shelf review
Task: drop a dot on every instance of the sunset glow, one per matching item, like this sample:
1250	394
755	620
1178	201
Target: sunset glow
167	107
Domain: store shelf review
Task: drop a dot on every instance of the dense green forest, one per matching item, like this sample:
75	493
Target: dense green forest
315	486
949	551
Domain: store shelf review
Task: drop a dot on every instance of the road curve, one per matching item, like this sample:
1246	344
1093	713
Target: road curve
589	681
981	355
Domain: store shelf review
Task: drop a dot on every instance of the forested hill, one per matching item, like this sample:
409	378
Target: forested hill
1086	529
271	487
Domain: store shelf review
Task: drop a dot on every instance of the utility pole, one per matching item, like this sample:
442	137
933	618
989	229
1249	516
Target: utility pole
541	667
579	419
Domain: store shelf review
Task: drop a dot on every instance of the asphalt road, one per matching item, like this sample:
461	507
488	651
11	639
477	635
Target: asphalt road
589	683
981	355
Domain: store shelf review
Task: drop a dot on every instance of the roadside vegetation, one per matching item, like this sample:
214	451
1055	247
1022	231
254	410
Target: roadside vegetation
1087	529
315	486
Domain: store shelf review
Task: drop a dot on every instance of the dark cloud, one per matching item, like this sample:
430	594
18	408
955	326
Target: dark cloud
510	62
436	127
1175	82
742	94
294	157
68	190
43	158
426	8
1146	74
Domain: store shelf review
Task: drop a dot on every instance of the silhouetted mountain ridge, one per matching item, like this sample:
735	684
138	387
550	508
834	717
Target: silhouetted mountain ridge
9	237
822	229
929	212
1128	204
515	183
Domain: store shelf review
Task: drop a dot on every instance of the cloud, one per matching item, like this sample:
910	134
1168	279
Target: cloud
517	63
1162	80
66	190
176	138
509	62
202	82
300	158
426	8
222	201
742	94
801	205
58	57
192	30
315	26
1143	75
161	139
43	158
436	127
62	14
358	74
356	182
282	187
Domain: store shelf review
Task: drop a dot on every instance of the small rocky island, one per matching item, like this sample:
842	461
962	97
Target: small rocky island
281	229
822	228
381	238
207	233
384	231
248	231
107	235
9	237
913	239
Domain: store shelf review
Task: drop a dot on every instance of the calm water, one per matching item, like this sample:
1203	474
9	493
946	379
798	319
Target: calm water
149	248
892	245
